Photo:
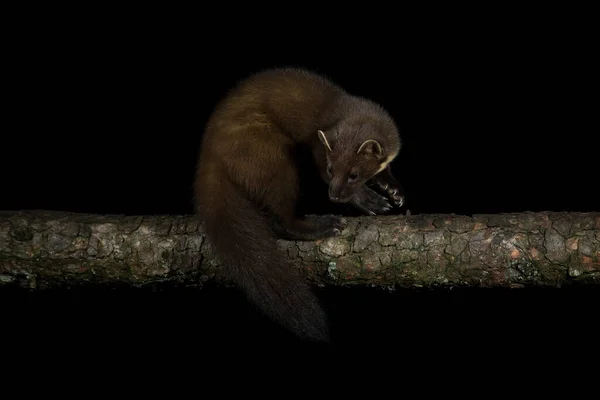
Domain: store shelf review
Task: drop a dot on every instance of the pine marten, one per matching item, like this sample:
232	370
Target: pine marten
246	184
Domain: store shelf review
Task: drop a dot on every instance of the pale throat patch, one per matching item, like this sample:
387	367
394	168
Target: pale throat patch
385	162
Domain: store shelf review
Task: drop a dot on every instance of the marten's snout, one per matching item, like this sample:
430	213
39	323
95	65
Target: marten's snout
336	195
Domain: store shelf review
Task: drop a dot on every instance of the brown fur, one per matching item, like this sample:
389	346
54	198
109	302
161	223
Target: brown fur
247	184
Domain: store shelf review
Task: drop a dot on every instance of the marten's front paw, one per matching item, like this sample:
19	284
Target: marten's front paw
397	196
370	202
394	192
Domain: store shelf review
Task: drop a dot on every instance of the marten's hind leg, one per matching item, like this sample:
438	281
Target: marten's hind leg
280	199
263	168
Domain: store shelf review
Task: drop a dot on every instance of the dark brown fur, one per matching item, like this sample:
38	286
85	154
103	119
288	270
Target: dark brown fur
247	184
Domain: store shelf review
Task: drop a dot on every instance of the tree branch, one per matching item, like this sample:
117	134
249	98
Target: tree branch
41	249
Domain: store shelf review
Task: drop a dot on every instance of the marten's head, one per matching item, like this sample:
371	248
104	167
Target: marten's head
354	157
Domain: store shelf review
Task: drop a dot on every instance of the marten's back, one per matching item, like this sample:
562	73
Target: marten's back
296	101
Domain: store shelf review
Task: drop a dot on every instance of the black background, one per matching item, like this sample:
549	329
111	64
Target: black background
104	111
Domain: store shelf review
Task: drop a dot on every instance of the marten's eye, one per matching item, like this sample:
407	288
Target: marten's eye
353	176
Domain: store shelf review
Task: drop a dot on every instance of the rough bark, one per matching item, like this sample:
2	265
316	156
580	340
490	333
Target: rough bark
40	249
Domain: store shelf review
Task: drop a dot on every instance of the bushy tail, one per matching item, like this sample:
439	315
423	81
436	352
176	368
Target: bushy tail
245	245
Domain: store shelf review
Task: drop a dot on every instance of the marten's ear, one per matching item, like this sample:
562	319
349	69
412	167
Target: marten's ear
371	147
324	139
